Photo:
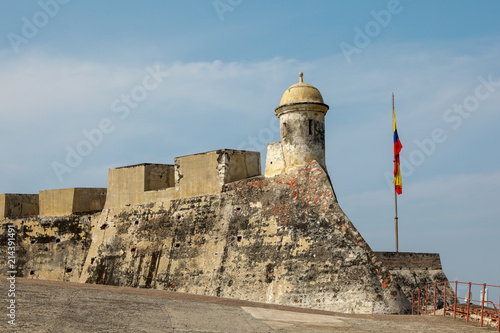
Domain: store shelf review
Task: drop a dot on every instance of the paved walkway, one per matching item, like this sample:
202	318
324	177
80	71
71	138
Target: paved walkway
54	306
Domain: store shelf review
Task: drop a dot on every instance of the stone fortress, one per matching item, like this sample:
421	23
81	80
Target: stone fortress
212	224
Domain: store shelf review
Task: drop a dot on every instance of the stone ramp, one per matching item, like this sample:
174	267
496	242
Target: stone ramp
55	306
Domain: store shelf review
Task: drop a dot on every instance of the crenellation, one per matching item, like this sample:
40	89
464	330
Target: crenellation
69	201
207	173
18	205
129	185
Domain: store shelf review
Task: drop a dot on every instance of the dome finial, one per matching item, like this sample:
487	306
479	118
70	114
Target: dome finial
301	77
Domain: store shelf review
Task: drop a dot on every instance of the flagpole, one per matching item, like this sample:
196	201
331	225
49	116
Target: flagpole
396	218
395	198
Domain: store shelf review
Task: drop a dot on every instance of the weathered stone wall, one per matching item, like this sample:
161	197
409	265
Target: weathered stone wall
52	248
151	246
275	162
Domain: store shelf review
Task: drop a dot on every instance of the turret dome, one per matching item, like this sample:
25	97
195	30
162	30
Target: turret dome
301	93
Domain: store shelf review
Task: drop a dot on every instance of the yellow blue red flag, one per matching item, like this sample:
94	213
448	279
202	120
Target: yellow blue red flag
398	183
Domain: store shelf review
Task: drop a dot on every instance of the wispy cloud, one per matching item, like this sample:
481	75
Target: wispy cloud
56	98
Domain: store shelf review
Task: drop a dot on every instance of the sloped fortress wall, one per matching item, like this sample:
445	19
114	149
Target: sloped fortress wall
282	240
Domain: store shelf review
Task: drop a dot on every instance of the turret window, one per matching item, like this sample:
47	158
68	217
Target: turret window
311	127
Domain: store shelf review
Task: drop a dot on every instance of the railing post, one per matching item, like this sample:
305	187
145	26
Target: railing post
468	303
455	303
412	303
482	305
418	307
416	301
435	285
444	299
426	299
498	318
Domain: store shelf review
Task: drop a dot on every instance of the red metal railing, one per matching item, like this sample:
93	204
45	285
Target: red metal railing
442	295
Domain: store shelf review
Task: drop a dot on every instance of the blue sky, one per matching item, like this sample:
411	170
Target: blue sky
205	75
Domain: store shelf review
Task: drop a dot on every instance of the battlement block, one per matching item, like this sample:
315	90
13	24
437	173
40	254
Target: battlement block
18	205
71	200
206	173
127	185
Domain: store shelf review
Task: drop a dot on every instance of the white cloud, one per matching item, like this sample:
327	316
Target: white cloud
37	86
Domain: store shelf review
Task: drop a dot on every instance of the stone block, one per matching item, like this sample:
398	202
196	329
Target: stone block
68	201
18	205
206	173
127	185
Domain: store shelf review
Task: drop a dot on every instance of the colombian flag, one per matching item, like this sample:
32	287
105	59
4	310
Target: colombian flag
398	183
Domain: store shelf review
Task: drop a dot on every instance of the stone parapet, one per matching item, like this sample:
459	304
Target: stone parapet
192	175
409	260
412	270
